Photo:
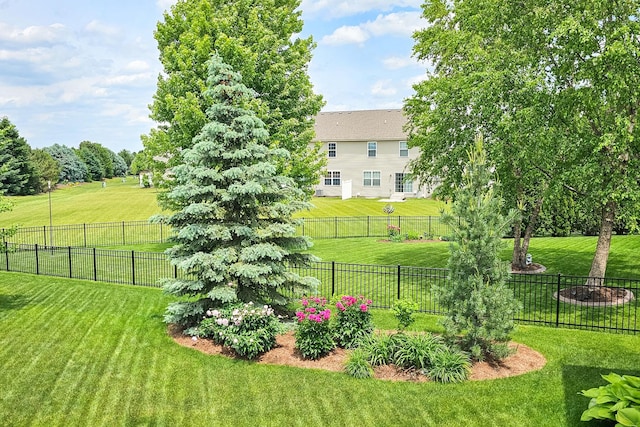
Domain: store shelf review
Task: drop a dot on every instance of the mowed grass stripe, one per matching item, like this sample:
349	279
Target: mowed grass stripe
173	385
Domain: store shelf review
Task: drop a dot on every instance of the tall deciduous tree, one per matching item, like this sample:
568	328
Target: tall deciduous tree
258	39
553	86
480	307
234	229
18	176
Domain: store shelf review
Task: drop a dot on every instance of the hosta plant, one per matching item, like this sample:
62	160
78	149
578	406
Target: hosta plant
617	401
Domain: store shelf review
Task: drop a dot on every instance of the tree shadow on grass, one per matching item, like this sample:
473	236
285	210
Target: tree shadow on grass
12	302
578	378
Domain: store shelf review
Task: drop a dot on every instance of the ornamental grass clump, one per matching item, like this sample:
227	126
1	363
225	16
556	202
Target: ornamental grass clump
314	337
353	321
248	330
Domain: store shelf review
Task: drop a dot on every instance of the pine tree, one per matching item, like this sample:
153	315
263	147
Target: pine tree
480	306
235	235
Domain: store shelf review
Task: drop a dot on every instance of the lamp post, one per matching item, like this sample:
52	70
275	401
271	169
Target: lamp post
50	219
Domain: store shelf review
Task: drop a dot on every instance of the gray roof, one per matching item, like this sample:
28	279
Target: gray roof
364	125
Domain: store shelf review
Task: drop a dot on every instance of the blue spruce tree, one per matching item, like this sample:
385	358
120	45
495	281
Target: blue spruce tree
234	231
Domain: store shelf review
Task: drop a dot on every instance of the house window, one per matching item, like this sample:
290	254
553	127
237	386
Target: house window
332	149
404	183
332	178
371	179
372	149
404	150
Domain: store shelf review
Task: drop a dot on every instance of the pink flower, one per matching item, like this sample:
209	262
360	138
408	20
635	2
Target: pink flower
363	307
340	306
305	302
326	314
300	315
310	310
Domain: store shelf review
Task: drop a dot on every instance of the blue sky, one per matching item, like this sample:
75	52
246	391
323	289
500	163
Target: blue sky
74	70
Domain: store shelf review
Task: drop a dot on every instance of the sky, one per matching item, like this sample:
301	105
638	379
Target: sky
76	70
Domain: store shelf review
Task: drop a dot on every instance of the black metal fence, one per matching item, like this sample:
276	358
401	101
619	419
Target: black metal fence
539	294
142	232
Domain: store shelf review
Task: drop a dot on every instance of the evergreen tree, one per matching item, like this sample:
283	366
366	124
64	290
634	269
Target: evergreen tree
480	306
235	234
46	167
72	169
18	176
95	169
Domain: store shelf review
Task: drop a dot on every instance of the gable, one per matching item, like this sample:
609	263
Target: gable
363	125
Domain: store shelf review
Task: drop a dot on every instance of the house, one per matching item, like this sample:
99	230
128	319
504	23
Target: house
367	155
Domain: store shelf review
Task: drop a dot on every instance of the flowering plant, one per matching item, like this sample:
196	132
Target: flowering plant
247	329
313	334
353	321
394	233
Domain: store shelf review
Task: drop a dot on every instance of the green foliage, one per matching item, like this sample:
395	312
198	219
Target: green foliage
234	230
314	336
381	348
259	39
417	350
352	321
394	233
18	174
47	169
357	364
617	401
248	330
480	306
72	168
404	310
449	366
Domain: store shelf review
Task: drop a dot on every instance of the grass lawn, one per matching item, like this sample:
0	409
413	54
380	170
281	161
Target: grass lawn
88	353
126	201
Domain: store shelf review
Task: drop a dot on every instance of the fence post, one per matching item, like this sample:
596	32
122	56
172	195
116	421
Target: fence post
44	232
95	266
37	261
123	237
398	281
6	253
175	271
70	266
333	278
84	227
558	301
133	267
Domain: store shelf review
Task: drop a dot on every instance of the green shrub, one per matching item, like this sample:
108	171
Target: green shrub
357	365
248	330
314	337
413	235
417	350
403	310
449	365
353	321
380	349
617	401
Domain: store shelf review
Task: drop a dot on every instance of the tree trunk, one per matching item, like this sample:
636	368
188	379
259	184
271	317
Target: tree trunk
521	244
599	264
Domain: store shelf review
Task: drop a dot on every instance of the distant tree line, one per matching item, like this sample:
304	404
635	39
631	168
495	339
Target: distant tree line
25	171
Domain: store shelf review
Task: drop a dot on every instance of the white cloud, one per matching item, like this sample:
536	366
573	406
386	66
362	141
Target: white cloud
33	34
129	79
346	35
137	66
400	24
98	27
416	79
383	88
340	8
397	62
